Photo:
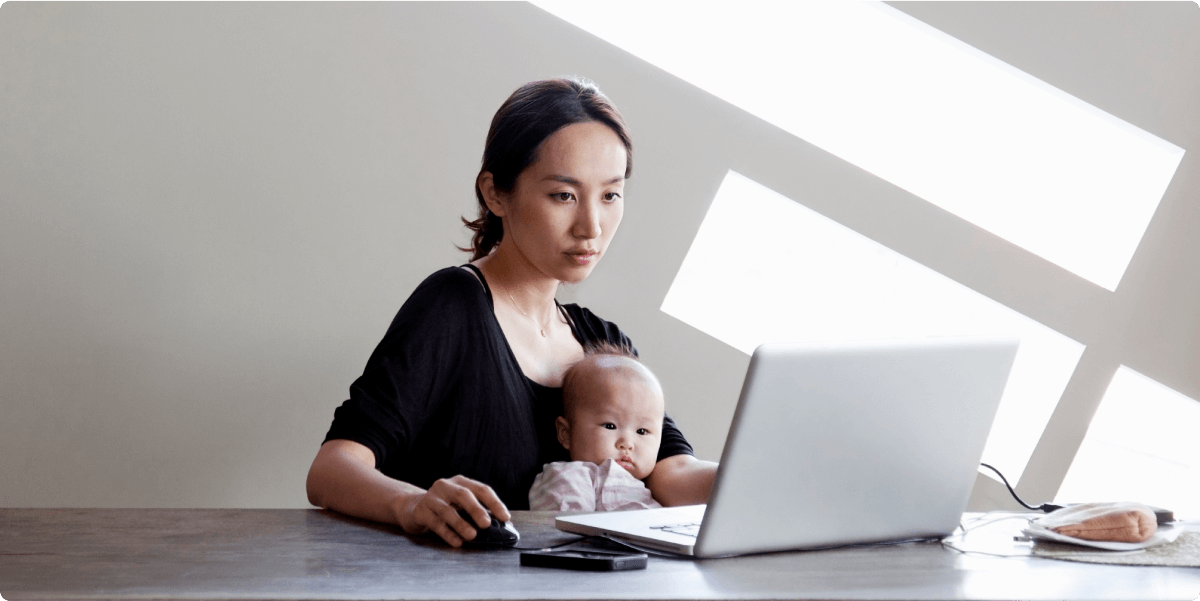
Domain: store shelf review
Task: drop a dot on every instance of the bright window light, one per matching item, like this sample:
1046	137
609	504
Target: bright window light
1141	446
765	269
920	109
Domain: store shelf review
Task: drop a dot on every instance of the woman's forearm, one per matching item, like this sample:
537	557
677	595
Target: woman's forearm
343	478
681	480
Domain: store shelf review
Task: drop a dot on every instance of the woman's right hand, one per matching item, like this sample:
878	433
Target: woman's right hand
436	509
343	478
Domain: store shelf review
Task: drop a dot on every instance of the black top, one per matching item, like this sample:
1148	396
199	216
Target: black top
443	394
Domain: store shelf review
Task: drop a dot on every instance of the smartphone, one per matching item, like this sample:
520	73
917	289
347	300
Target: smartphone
594	561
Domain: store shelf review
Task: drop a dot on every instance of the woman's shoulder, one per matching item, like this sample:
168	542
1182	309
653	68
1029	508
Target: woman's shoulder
447	296
458	279
454	285
593	328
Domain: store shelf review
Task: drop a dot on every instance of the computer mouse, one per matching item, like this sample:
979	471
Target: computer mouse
498	535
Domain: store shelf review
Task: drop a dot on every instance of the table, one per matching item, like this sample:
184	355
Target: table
316	554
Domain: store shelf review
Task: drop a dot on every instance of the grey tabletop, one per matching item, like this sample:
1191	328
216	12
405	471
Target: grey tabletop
314	554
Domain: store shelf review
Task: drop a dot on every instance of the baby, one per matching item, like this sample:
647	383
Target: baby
612	426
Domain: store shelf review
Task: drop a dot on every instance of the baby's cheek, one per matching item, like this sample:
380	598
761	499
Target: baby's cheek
653	447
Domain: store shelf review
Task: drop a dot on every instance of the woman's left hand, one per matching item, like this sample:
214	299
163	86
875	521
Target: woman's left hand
681	480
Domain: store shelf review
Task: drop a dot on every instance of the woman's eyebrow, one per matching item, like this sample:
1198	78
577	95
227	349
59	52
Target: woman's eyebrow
566	179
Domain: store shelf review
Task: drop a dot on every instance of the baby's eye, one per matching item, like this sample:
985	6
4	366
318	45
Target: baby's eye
643	431
608	426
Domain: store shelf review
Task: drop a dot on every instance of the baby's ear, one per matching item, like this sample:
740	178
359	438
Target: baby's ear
564	432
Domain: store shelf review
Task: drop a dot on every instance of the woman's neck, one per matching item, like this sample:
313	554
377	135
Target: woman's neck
515	278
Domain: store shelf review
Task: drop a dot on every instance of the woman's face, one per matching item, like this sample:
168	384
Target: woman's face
566	206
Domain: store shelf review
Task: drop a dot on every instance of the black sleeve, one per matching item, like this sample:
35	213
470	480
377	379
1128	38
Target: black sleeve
410	373
673	442
592	328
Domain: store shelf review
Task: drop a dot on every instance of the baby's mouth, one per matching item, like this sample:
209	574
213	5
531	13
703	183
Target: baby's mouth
625	462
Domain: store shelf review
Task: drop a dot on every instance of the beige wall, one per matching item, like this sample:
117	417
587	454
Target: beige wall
209	214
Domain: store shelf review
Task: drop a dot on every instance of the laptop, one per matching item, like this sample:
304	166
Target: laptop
835	444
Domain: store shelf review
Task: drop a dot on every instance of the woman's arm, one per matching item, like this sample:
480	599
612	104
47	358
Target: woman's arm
681	480
343	478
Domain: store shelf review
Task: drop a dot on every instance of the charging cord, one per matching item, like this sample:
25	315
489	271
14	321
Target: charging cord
1045	507
578	539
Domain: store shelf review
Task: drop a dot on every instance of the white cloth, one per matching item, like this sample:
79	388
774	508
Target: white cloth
586	486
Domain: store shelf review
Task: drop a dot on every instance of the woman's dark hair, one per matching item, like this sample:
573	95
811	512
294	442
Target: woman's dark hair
533	113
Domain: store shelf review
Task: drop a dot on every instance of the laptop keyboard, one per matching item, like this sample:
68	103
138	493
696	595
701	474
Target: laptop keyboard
691	530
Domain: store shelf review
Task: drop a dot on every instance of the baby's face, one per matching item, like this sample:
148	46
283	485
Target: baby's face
617	414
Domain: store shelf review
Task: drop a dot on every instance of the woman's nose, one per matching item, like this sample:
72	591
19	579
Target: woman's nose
587	221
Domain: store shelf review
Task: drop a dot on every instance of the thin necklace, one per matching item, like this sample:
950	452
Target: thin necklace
541	328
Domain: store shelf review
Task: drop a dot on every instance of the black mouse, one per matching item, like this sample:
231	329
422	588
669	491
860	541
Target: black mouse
499	535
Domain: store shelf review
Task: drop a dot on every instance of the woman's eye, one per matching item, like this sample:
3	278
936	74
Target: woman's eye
611	196
608	426
562	196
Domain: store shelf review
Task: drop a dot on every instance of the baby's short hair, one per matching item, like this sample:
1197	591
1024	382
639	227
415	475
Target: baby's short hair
604	347
593	349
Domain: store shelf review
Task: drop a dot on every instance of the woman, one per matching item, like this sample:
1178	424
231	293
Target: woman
456	407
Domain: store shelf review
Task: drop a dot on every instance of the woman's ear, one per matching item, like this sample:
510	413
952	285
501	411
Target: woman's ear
491	196
564	432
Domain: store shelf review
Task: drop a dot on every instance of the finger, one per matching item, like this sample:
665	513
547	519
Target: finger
454	520
490	500
464	497
452	496
448	534
434	512
440	516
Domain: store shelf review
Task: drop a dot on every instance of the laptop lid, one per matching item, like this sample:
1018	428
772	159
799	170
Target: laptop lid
842	443
835	444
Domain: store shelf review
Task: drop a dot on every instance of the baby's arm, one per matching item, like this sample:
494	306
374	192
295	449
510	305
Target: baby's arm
617	490
564	486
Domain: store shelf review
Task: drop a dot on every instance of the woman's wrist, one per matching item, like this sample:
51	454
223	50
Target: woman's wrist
402	508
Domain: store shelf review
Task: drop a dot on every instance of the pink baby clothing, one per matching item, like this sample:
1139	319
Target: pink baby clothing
586	486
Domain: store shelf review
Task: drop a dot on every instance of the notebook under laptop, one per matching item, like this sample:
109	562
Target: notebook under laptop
834	444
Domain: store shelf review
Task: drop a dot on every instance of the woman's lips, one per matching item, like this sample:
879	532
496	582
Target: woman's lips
582	258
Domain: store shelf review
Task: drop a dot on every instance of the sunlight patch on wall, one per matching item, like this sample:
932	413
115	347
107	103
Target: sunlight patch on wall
1141	446
766	269
920	109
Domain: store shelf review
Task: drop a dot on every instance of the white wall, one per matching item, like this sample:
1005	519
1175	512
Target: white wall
209	213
